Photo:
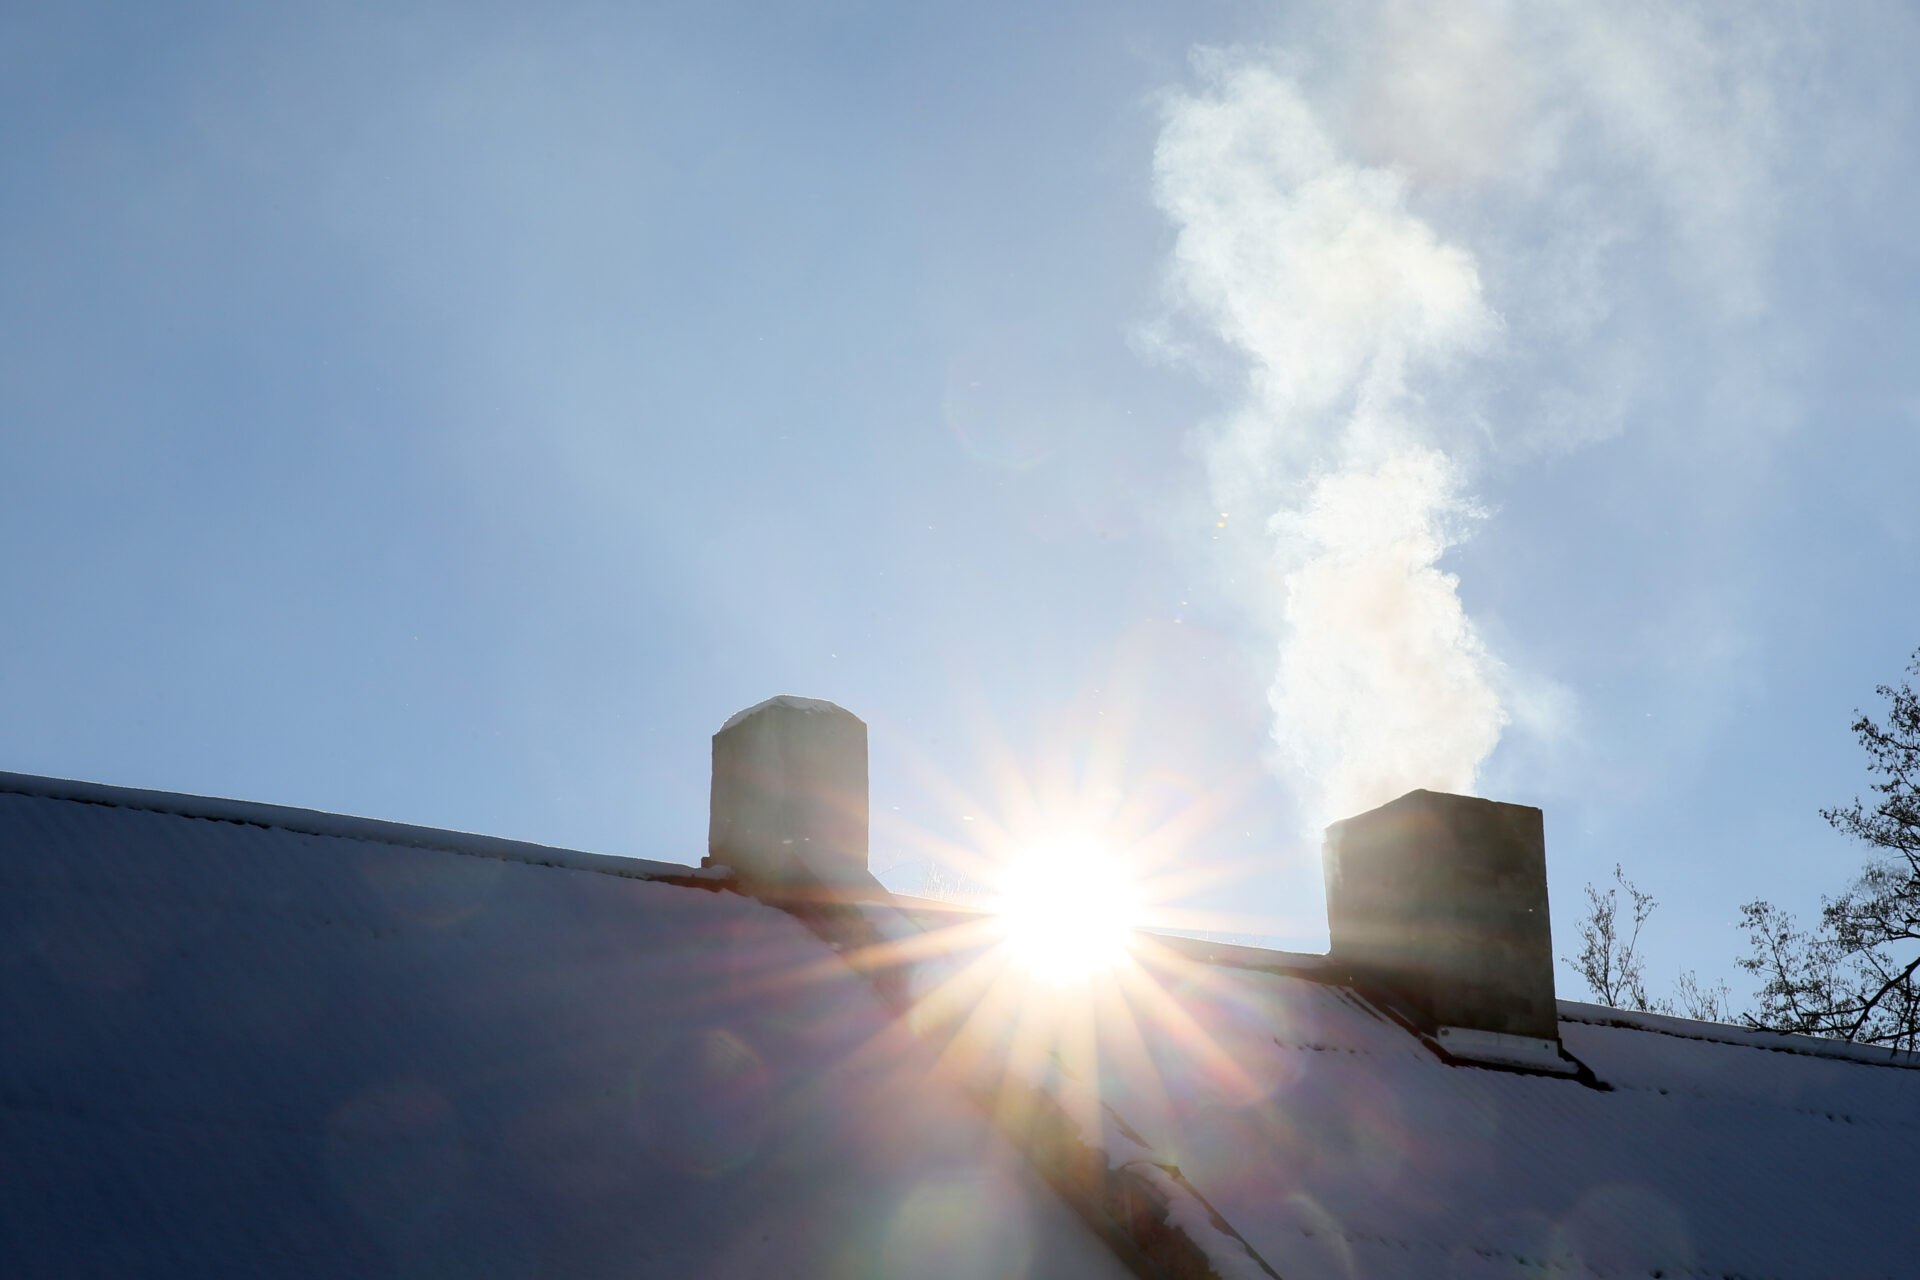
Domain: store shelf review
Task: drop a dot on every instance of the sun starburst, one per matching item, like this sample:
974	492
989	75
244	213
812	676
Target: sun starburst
1067	907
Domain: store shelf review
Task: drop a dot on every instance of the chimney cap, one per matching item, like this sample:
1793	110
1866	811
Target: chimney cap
791	701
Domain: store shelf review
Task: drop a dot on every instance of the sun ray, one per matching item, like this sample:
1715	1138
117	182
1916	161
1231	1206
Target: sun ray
1183	1028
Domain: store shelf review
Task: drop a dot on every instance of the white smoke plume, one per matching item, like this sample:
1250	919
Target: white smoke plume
1368	336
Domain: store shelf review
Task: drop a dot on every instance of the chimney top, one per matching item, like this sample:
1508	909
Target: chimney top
790	701
789	799
1442	899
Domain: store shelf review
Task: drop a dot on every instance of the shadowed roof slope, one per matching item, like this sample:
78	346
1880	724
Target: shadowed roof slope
248	1041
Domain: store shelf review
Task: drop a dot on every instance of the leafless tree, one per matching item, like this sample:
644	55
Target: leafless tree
1701	1003
1609	956
1853	976
1614	970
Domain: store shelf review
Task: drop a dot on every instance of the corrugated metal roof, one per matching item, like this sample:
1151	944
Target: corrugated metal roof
1339	1145
251	1040
1339	1142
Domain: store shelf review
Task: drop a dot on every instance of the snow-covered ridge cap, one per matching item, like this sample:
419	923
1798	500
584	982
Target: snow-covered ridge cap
316	823
794	701
1598	1015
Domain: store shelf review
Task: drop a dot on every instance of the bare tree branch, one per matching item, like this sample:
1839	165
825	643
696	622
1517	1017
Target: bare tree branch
1854	978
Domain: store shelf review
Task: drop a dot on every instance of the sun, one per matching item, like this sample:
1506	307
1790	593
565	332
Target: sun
1067	907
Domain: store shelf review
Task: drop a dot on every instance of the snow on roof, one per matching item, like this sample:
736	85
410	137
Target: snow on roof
255	1041
1339	1144
249	1041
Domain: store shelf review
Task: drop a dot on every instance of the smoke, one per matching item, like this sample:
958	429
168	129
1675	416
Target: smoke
1375	366
1341	300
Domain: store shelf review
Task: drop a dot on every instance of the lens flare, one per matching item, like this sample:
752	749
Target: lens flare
1068	908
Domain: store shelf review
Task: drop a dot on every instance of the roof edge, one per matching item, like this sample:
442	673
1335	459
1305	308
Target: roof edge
1235	955
1229	955
1599	1015
314	822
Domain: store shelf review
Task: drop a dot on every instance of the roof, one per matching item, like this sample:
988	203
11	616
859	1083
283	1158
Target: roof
1337	1141
252	1041
258	1040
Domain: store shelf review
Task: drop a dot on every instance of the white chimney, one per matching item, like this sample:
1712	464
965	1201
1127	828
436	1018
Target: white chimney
789	800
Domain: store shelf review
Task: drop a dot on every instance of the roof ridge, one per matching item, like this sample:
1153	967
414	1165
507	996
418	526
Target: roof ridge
1867	1055
343	826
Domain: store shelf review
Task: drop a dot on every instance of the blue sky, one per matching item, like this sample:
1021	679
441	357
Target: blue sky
452	413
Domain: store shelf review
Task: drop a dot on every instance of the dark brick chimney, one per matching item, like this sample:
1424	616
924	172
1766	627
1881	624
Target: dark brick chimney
1442	900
